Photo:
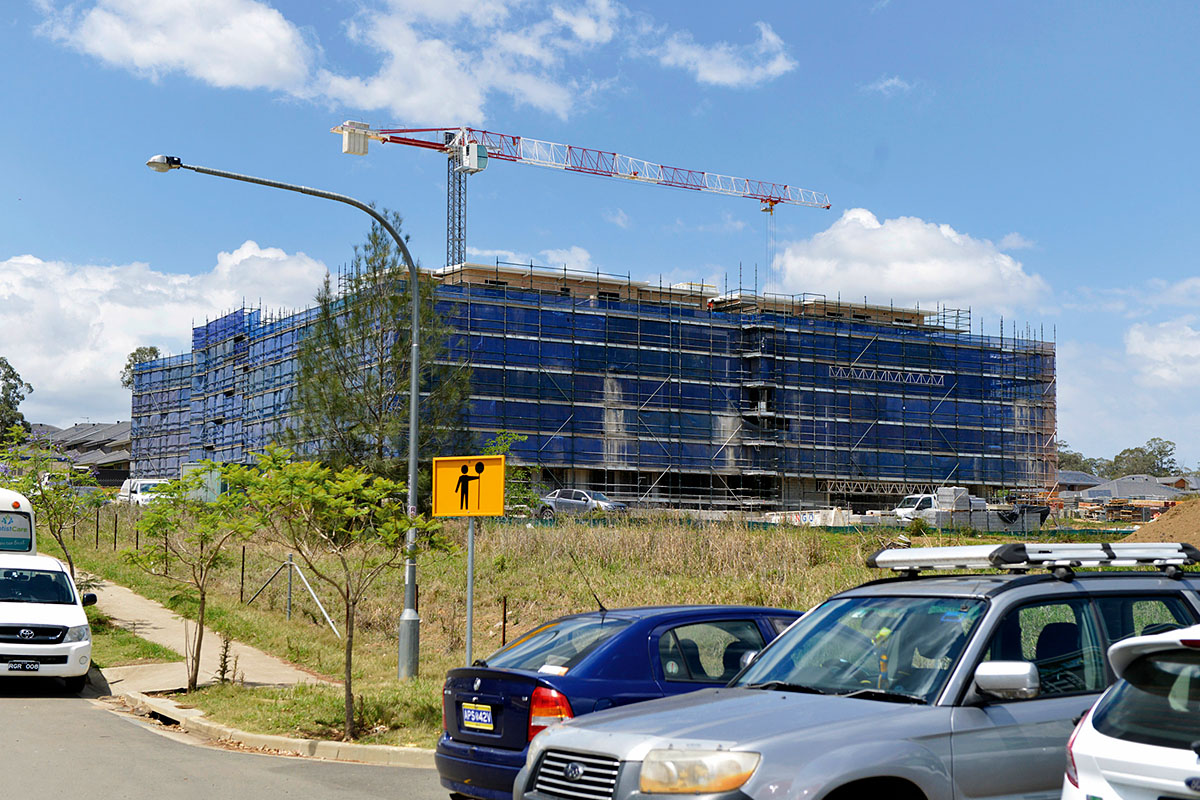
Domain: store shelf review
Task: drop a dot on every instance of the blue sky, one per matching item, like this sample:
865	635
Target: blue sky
1032	161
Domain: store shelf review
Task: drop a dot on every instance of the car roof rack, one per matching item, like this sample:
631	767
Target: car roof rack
1061	559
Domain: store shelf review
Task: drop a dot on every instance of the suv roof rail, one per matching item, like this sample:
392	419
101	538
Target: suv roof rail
1020	557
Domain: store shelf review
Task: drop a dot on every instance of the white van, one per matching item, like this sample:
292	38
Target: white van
139	491
16	523
43	627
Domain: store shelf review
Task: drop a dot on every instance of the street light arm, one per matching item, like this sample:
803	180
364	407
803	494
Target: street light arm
341	198
409	645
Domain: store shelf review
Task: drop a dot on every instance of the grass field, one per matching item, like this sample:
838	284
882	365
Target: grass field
526	569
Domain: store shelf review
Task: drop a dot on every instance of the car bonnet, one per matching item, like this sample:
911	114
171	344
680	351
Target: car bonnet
742	719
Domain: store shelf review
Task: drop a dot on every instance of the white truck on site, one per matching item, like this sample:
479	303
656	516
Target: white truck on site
955	507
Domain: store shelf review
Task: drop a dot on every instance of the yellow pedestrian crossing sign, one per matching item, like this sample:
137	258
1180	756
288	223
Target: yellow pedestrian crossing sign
468	486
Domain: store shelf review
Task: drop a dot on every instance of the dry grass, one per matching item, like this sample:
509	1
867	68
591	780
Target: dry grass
527	568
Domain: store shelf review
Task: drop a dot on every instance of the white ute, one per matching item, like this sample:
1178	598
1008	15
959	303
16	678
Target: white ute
43	628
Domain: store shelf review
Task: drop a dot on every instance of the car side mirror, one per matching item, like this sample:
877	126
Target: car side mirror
1007	680
747	657
87	599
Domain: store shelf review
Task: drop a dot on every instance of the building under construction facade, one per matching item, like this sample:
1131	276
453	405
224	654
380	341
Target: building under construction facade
666	395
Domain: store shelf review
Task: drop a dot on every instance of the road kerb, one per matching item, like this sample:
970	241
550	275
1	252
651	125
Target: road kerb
194	722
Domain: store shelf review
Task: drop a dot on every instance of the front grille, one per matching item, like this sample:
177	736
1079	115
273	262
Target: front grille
598	780
42	634
7	657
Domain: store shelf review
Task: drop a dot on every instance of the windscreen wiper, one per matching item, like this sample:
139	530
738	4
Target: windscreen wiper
784	686
883	694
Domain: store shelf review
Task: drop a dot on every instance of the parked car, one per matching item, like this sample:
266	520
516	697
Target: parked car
139	491
946	686
1142	738
582	663
577	501
43	628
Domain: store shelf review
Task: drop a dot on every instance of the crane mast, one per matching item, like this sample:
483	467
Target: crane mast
469	149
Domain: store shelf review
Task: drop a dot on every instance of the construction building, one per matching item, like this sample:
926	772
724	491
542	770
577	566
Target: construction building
666	395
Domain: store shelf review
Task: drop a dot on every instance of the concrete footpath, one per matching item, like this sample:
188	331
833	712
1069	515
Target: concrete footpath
158	624
133	684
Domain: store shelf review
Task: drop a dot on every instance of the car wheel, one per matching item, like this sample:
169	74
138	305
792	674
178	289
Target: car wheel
75	683
546	513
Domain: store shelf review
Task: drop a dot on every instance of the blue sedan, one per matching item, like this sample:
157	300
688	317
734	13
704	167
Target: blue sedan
582	663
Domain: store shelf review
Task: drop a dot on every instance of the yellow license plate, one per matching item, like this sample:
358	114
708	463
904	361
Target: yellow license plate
477	717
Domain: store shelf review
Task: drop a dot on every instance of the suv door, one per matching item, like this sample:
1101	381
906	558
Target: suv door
1061	637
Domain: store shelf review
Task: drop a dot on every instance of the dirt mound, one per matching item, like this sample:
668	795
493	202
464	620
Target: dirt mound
1178	524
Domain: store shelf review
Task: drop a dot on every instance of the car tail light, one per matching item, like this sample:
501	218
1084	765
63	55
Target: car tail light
1072	771
546	707
1190	642
445	714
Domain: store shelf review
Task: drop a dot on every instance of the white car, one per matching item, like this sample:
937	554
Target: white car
1142	738
140	491
43	628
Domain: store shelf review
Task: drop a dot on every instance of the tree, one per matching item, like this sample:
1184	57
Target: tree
38	470
1070	459
12	391
195	534
352	387
347	526
1156	457
520	488
137	357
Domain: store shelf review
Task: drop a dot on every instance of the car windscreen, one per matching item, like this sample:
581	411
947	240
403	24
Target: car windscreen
908	502
35	586
600	498
1157	702
557	646
16	532
897	647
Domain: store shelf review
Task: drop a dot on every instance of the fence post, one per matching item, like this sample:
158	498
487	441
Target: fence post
97	529
504	620
242	584
116	517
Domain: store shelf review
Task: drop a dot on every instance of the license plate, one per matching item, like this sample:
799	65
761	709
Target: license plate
476	717
24	666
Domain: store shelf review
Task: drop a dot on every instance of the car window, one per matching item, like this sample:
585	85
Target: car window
780	624
1157	703
924	504
1139	615
707	652
35	586
1060	639
557	646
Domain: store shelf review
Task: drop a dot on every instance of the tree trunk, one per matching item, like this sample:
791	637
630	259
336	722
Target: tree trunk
194	667
349	729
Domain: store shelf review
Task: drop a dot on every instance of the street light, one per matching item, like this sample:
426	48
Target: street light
410	621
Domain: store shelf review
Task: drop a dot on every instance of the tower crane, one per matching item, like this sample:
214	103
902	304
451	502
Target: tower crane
468	151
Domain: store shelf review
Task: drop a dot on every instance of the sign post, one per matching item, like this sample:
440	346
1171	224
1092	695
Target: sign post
469	486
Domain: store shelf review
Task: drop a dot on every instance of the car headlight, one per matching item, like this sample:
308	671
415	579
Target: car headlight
696	771
78	633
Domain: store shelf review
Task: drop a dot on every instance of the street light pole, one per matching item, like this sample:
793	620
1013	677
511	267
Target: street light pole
410	622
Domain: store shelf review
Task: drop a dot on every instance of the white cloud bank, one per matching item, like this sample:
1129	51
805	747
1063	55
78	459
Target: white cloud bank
69	328
907	261
439	61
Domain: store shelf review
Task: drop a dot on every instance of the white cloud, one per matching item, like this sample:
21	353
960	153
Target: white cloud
1165	353
489	256
242	44
890	86
1015	241
69	328
618	218
574	257
436	61
724	64
907	261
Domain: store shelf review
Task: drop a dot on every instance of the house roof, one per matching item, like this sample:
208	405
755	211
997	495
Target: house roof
1074	477
1132	487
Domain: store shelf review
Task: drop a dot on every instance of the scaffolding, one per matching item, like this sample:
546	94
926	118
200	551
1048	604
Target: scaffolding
675	395
159	435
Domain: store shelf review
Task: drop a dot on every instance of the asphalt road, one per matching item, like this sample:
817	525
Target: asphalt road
58	746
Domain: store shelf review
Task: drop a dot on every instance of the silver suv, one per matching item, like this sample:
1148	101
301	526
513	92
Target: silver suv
951	686
576	501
